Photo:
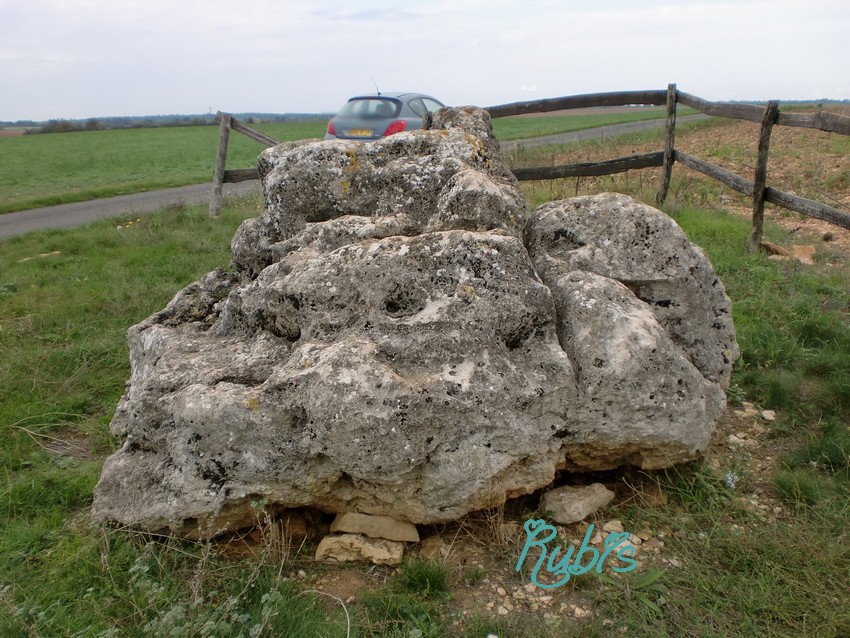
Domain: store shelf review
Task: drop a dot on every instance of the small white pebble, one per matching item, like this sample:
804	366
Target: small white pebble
613	526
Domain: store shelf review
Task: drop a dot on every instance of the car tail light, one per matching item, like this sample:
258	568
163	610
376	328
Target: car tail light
395	127
331	129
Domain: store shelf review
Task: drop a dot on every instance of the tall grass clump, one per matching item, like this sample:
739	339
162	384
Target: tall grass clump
817	474
427	578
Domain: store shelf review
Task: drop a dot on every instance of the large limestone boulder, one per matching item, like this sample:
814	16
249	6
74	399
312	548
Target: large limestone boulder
646	323
399	337
623	240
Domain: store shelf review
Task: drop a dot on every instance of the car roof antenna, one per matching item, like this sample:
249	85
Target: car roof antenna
376	85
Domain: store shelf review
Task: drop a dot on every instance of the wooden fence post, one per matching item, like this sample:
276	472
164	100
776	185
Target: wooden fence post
771	112
220	160
667	170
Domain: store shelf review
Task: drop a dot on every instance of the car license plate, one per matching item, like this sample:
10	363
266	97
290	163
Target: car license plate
359	132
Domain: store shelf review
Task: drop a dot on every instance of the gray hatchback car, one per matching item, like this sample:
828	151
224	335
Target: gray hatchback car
371	117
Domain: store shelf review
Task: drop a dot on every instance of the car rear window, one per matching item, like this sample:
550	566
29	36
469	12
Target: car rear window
421	105
371	107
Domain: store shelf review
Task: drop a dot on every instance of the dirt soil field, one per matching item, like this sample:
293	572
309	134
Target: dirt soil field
803	162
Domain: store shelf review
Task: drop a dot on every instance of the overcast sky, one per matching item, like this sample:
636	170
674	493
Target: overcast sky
93	58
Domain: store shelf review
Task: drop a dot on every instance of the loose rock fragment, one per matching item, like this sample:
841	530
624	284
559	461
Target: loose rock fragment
355	548
573	503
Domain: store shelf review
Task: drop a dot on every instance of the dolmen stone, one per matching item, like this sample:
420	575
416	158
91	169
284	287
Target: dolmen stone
398	336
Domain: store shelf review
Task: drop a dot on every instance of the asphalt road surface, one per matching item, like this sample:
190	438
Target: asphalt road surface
79	213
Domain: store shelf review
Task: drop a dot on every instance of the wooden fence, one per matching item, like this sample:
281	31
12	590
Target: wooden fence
756	188
222	176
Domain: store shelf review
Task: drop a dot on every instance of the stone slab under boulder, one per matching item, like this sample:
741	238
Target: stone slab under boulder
375	527
398	336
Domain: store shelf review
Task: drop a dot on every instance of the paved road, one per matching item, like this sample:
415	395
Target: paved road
79	213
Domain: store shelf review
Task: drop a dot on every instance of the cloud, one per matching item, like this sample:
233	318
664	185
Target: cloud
78	58
370	16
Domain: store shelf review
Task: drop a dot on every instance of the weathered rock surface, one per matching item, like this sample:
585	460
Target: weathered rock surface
348	548
434	547
623	240
647	325
573	503
375	527
401	338
436	180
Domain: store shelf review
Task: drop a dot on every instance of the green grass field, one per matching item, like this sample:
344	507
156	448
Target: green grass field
67	298
43	170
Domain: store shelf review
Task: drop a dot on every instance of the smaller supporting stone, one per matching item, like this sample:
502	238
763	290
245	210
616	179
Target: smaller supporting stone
573	503
376	527
348	548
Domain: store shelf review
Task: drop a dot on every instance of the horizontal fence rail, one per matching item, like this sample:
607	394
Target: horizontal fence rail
735	182
241	175
591	169
589	100
768	116
829	122
254	134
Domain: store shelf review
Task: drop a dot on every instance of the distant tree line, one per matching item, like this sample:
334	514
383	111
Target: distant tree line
153	121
